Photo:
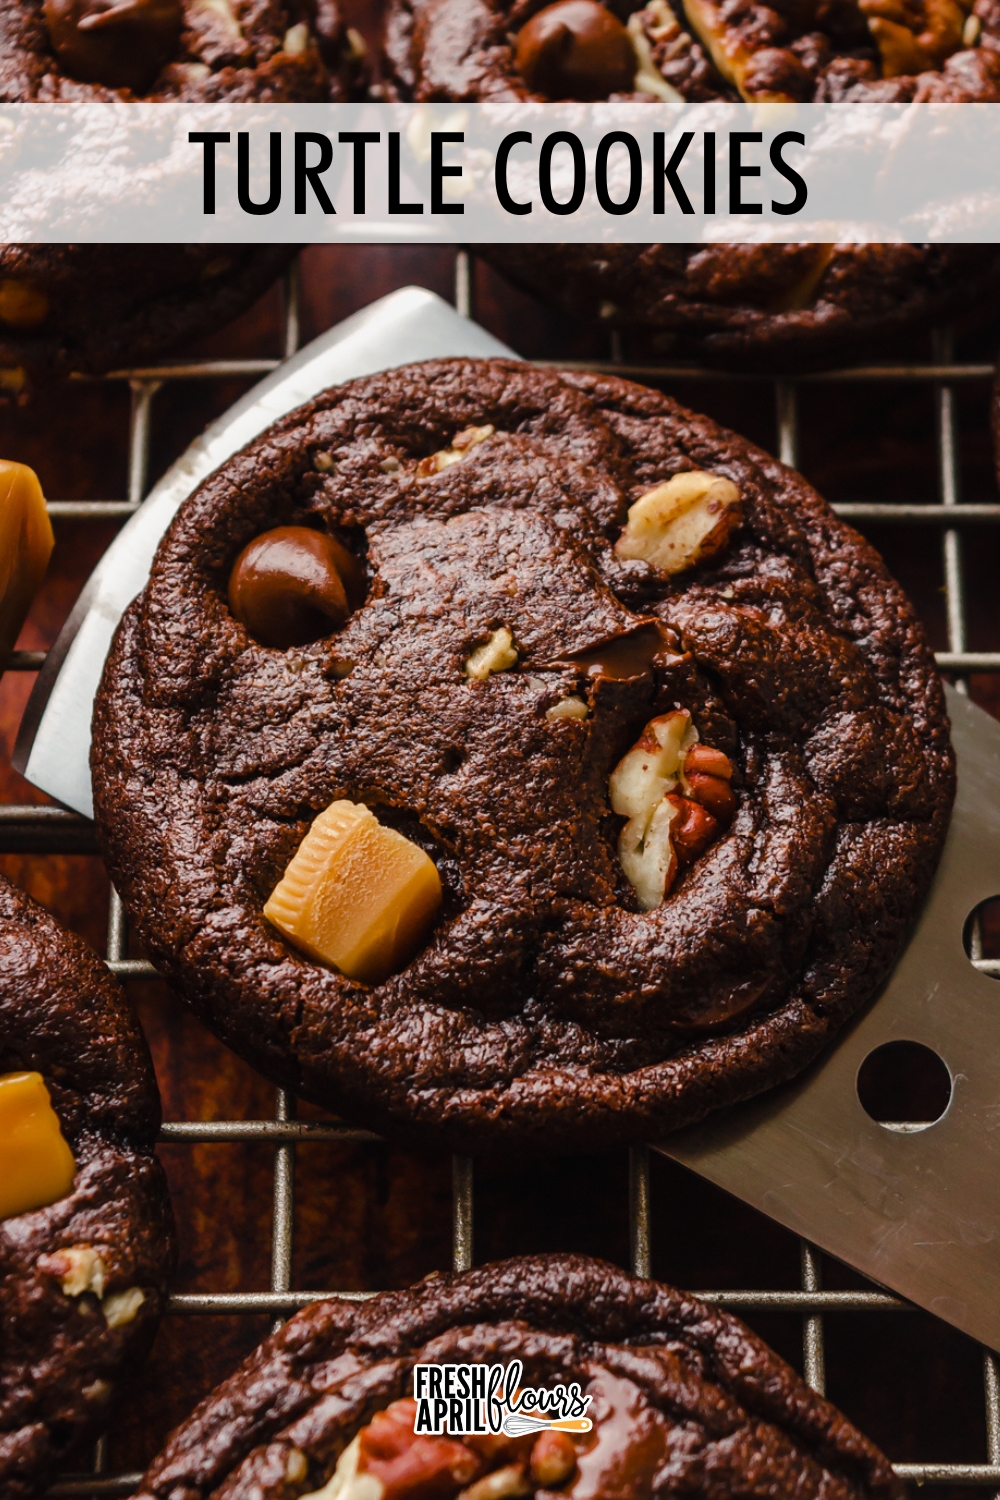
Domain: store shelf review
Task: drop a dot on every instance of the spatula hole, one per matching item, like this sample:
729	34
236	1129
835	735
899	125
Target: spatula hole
904	1086
981	937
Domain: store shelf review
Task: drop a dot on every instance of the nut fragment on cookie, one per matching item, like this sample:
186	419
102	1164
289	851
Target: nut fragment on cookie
730	51
345	1483
638	787
80	1269
666	829
461	444
647	856
567	708
497	654
647	772
13	380
98	1391
655	23
553	1458
390	1451
26	542
122	1307
296	39
503	1484
687	520
914	35
356	895
37	1167
296	1465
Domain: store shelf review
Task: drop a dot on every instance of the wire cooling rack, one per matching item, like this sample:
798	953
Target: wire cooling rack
47	830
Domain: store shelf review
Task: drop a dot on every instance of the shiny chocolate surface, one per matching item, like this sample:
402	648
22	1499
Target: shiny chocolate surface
293	585
626	656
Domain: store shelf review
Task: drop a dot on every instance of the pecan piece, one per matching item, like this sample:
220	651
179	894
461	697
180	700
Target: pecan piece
553	1458
692	830
406	1463
688	520
461	444
714	795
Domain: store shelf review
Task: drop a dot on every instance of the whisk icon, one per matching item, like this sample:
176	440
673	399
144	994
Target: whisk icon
517	1424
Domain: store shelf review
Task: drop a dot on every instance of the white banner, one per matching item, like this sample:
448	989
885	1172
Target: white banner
161	173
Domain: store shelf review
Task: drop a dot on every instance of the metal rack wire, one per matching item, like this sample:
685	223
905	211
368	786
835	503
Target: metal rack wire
31	829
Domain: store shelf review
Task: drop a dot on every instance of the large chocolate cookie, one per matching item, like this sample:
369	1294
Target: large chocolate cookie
722	300
100	307
82	1281
598	970
685	1400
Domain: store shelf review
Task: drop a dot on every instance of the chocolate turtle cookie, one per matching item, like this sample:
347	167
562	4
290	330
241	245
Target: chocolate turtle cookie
86	1233
719	300
680	1400
504	753
798	304
821	50
501	754
100	307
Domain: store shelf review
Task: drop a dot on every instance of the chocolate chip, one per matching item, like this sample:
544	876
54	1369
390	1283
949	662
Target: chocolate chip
122	44
575	49
293	585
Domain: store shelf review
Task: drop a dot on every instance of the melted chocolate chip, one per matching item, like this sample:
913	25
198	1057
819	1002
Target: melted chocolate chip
575	49
293	585
625	656
122	44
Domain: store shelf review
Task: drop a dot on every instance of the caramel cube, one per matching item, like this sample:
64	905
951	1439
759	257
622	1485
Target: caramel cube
356	895
36	1165
26	543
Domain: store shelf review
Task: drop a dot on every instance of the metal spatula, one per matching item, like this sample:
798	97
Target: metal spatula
915	1206
918	1209
53	746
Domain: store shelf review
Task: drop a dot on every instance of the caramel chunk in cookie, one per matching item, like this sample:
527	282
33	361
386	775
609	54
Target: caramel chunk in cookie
356	895
26	543
36	1165
22	304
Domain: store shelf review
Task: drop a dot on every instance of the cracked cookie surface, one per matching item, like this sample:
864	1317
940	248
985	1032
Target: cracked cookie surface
82	1281
684	1398
545	1005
